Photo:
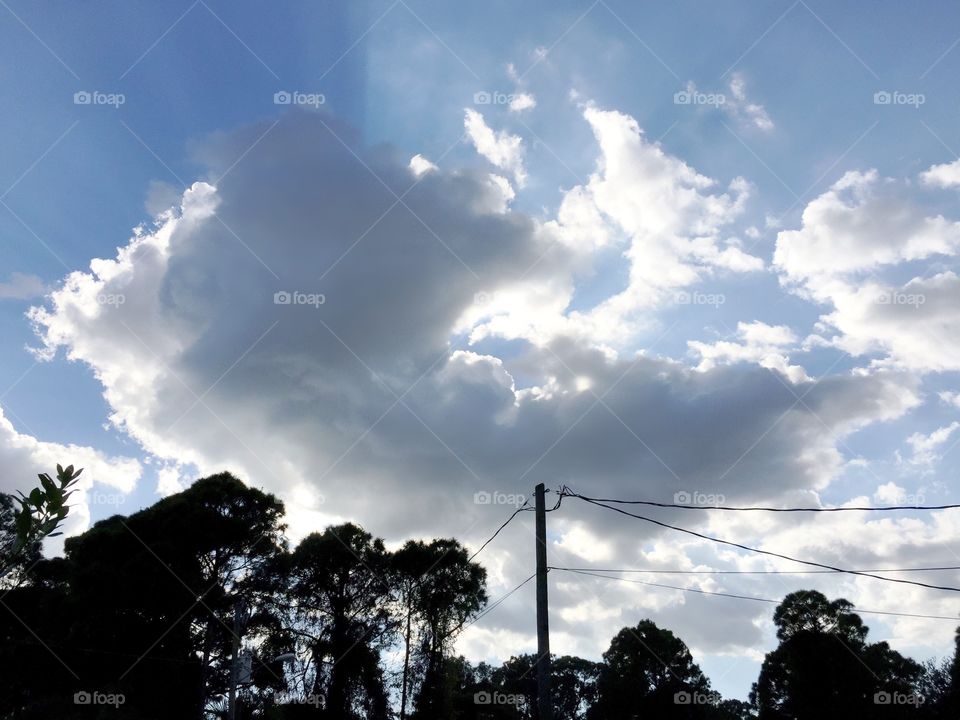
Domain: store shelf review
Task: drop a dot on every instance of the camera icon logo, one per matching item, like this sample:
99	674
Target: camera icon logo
482	698
682	698
882	98
82	97
282	298
481	98
684	97
82	698
482	498
282	98
682	498
882	698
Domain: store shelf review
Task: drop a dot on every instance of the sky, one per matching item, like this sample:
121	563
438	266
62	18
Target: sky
398	262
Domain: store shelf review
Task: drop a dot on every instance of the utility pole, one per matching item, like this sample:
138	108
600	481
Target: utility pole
543	623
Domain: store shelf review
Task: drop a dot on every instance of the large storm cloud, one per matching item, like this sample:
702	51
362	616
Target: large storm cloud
304	318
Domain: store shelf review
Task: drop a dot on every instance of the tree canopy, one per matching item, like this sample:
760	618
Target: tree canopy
158	614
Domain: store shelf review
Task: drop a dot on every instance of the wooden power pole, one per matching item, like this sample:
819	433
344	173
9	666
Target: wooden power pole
543	623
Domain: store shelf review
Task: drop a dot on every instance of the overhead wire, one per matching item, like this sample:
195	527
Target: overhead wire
948	588
493	606
713	571
748	597
756	508
522	508
516	512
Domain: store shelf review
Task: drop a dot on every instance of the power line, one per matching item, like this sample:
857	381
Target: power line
561	494
758	550
522	508
713	571
748	597
680	506
670	587
494	606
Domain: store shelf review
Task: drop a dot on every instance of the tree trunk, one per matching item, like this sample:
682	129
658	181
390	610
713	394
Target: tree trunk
406	666
340	646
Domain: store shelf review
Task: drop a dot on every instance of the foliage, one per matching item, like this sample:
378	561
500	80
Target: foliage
649	672
438	590
339	620
150	607
40	514
824	666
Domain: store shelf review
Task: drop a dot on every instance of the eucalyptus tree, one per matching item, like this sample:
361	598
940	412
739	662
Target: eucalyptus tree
825	668
338	601
439	590
649	672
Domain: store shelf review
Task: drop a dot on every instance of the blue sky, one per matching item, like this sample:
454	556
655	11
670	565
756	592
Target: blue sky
803	86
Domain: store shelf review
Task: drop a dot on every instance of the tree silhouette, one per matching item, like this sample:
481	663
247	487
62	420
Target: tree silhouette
143	608
40	515
15	561
649	672
338	602
573	683
940	686
824	668
447	590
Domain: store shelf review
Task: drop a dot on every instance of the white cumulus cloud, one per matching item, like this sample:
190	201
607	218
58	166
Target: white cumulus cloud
369	406
502	149
856	253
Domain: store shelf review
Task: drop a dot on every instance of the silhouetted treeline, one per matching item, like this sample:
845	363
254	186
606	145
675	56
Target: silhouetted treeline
141	618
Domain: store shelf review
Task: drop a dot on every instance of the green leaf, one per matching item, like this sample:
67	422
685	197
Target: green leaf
68	477
24	523
37	498
48	485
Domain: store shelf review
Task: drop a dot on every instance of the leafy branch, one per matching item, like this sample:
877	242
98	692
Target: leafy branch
40	514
